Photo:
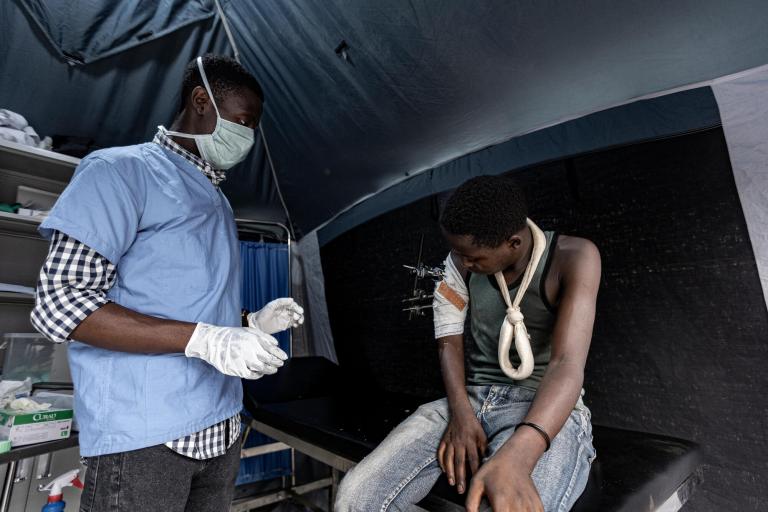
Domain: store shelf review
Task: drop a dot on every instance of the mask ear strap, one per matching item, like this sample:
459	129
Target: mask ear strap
205	82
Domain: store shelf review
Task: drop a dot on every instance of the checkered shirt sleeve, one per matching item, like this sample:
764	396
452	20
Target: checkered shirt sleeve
73	283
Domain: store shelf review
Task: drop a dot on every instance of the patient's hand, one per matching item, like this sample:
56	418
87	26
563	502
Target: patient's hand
507	485
464	443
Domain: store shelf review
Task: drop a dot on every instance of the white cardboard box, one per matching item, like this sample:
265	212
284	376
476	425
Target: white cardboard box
24	428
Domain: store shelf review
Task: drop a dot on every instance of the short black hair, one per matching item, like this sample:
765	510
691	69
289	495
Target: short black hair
489	208
225	75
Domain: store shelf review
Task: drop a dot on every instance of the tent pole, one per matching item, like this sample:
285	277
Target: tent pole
274	178
227	30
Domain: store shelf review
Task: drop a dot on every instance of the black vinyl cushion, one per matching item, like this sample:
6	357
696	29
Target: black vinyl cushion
633	469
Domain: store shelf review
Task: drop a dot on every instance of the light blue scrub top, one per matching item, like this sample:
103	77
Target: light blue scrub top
172	236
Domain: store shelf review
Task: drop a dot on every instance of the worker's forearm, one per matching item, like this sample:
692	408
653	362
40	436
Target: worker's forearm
114	327
451	350
557	394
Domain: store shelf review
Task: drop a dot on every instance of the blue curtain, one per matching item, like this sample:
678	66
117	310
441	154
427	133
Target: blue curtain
265	277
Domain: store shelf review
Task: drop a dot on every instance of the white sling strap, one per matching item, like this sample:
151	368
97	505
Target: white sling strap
513	326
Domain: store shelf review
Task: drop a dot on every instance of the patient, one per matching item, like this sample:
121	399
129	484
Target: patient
524	445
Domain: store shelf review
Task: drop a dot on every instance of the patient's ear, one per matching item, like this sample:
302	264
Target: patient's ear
514	242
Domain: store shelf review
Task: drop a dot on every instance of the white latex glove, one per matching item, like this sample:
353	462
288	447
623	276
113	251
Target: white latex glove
239	351
276	316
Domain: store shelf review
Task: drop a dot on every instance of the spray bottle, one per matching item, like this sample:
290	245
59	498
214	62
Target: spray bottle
56	501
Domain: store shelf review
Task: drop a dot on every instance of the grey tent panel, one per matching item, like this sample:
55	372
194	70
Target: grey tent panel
83	32
643	120
744	108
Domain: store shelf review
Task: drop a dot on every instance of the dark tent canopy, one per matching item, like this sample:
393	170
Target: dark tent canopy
407	94
373	108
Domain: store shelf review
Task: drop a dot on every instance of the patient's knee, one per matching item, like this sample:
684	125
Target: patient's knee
358	492
345	499
350	496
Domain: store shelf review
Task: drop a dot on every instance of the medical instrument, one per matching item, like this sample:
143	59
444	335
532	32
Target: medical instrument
421	271
418	294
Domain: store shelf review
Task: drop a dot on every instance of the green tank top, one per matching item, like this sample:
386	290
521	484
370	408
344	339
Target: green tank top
487	312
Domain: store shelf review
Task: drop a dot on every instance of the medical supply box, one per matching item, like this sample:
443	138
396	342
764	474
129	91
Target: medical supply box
26	427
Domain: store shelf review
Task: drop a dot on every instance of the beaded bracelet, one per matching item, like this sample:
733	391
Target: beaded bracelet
538	429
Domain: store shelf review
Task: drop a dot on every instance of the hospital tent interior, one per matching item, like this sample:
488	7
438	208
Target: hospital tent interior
640	125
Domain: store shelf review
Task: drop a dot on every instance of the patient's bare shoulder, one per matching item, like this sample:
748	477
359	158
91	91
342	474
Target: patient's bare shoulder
574	259
576	247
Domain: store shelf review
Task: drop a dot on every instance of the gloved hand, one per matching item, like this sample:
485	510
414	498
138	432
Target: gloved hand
278	315
239	351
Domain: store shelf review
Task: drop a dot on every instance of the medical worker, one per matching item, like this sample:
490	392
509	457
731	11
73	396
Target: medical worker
143	280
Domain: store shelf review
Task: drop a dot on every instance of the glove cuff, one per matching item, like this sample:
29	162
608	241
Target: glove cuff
197	345
253	322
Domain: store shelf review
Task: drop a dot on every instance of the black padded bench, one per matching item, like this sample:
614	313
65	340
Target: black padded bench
305	406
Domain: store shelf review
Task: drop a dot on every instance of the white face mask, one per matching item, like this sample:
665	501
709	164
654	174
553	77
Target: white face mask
229	143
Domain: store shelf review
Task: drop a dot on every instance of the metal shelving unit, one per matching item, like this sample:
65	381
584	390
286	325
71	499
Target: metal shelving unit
36	163
22	251
19	225
16	298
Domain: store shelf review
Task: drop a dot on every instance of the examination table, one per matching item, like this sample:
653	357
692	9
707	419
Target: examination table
309	406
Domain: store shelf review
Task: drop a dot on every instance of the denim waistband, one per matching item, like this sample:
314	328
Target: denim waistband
511	392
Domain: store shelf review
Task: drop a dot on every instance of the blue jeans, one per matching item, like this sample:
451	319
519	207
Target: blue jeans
403	468
157	479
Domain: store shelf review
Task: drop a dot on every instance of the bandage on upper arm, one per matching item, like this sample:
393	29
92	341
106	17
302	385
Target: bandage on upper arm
450	302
